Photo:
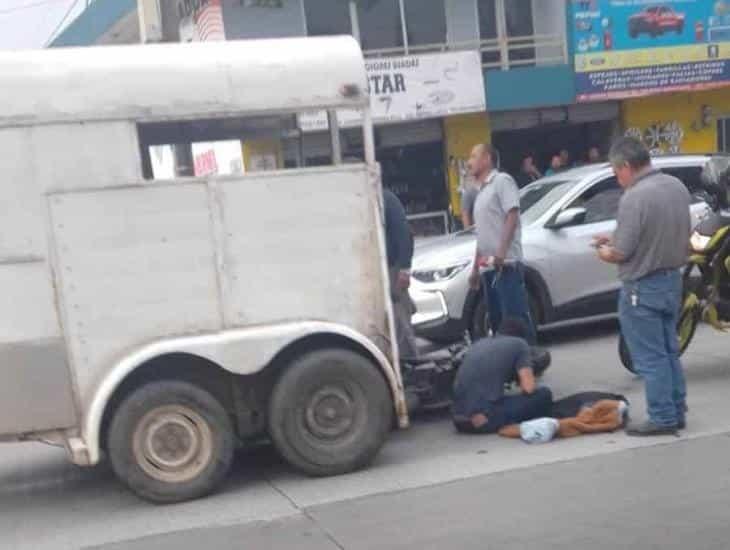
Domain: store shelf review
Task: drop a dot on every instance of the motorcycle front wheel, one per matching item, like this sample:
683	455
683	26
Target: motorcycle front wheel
686	328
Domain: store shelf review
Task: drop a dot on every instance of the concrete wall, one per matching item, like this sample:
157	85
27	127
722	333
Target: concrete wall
461	133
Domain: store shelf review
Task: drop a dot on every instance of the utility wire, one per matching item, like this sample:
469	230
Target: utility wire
61	22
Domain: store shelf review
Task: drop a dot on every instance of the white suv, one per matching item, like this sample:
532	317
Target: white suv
565	280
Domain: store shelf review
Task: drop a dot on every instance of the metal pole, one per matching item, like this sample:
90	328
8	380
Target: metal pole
354	20
334	137
404	27
501	14
368	139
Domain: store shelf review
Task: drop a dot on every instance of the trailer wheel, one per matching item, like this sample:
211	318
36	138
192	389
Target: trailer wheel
171	441
330	412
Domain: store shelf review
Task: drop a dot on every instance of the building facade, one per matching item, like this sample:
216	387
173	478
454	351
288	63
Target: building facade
531	76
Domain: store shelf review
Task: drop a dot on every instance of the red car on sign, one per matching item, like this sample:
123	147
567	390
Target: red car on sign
656	20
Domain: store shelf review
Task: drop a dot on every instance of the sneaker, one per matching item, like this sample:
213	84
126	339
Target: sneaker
648	429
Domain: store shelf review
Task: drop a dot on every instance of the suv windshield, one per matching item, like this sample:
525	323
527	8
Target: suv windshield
537	198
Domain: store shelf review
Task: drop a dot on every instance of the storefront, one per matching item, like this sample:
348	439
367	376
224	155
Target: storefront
543	133
670	65
419	103
411	157
691	122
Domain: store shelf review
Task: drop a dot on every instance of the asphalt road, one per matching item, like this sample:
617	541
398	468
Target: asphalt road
675	496
429	487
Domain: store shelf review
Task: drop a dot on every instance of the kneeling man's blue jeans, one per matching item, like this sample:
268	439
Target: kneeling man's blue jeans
649	311
511	409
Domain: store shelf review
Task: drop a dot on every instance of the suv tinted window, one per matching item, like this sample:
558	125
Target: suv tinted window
600	201
690	176
537	198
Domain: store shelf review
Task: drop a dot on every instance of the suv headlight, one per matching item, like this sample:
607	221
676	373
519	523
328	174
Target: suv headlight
699	242
437	275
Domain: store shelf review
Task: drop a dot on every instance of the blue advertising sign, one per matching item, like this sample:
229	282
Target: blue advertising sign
627	48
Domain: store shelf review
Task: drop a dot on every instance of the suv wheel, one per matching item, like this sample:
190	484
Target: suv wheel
479	326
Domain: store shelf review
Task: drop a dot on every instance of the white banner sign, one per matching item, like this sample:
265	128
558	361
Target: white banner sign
415	87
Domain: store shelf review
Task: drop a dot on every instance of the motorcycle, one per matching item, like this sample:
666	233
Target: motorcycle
428	381
706	277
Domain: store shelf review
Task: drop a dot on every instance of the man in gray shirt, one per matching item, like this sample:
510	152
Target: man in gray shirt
468	197
498	261
650	246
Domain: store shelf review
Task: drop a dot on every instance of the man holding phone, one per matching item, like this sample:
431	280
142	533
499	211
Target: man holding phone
498	261
649	247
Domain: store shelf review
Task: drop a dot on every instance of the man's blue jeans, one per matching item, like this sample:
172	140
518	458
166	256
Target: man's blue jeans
506	296
648	311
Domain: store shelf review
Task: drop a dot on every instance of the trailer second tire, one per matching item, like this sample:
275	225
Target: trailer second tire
330	412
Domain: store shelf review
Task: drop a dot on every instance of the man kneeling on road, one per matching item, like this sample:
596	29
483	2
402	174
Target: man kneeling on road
479	403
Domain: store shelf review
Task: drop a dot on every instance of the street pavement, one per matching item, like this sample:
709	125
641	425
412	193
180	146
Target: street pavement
430	487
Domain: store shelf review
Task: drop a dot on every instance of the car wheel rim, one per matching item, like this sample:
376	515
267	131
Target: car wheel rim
173	444
330	413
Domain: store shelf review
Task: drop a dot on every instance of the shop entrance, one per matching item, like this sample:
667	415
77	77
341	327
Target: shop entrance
415	173
548	140
411	157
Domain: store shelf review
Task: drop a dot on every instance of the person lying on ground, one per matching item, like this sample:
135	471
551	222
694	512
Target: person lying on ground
479	403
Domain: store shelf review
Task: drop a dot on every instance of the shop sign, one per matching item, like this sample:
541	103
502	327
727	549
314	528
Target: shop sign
206	163
629	48
413	88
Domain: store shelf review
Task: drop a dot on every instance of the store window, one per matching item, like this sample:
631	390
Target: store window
262	18
518	18
425	22
380	24
225	146
327	17
488	32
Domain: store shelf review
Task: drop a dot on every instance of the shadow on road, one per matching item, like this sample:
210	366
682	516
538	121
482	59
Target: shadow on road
570	334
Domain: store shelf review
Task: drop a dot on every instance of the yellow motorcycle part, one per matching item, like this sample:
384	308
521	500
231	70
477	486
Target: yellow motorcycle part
698	259
690	302
727	264
711	317
688	320
718	237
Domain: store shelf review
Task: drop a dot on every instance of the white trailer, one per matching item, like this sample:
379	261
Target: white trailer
164	322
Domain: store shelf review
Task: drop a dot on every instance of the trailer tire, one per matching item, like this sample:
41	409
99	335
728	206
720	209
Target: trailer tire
171	441
330	412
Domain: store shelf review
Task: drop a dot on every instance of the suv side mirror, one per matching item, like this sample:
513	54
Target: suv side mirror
568	217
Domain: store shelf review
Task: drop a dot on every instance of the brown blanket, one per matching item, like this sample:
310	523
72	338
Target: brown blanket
603	416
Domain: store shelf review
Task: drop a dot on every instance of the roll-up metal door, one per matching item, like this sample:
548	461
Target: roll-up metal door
569	114
410	133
